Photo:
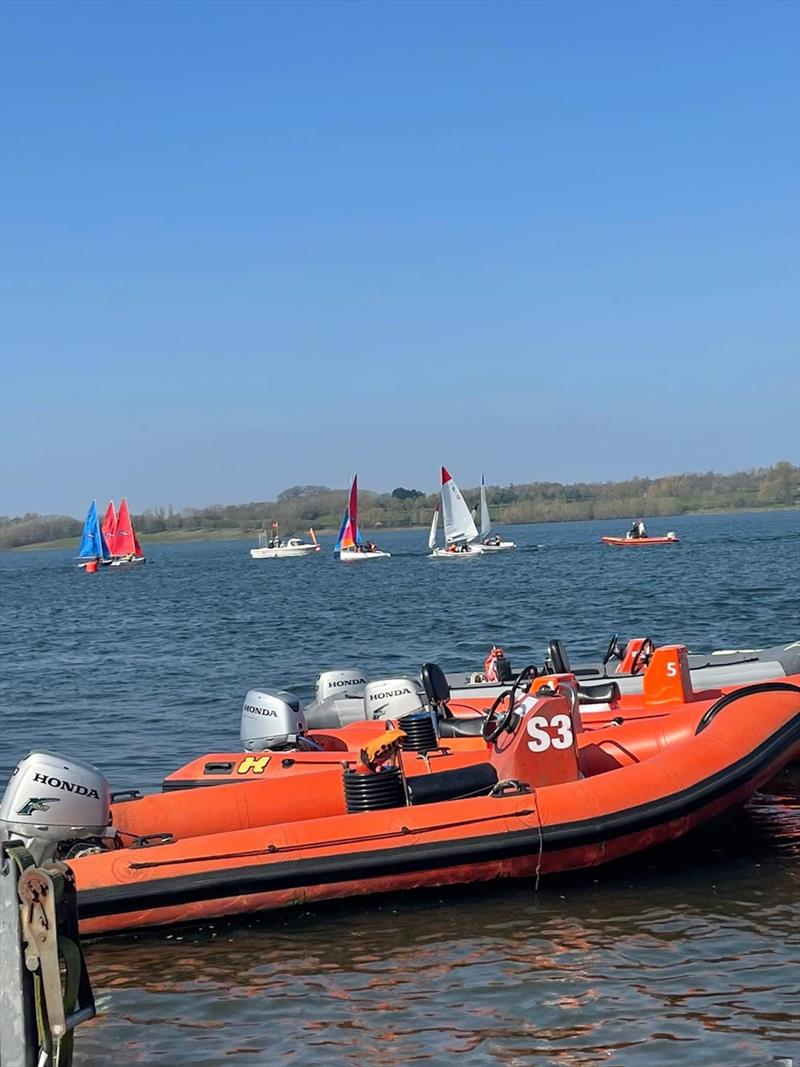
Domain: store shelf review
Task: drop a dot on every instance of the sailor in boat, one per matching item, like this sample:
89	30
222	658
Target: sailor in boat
456	547
493	540
637	530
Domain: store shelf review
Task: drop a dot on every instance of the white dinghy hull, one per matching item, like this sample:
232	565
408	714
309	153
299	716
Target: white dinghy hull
464	552
351	555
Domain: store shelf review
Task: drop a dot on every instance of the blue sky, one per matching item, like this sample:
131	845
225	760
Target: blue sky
249	245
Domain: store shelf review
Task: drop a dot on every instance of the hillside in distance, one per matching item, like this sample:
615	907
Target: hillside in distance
302	506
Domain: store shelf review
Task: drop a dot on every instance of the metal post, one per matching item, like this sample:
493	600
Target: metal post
18	1043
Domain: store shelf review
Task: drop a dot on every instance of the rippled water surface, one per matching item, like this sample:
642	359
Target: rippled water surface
688	952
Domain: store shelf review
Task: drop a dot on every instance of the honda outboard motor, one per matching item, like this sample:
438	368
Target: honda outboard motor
349	681
271	719
391	698
404	701
52	799
338	699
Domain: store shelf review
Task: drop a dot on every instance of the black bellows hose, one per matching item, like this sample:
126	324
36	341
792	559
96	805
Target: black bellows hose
373	792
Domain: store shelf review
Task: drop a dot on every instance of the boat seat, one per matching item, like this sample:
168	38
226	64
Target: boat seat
436	686
606	693
454	727
557	655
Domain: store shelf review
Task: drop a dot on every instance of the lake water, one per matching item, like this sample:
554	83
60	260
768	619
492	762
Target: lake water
690	951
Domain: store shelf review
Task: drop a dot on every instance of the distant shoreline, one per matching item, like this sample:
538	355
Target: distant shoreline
235	533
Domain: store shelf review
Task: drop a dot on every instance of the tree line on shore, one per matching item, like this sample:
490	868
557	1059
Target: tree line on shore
315	505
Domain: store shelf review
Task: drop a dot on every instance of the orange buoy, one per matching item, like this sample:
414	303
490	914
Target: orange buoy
91	566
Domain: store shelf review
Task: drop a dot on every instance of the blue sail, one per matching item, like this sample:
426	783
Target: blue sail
93	544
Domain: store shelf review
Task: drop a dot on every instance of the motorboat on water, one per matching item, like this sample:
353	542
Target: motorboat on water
629	542
412	702
637	537
272	546
383	806
626	664
490	542
339	693
351	546
460	531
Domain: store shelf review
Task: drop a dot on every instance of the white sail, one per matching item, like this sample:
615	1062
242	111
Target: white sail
457	521
486	522
434	526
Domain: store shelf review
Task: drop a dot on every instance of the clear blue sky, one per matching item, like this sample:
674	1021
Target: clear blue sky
248	245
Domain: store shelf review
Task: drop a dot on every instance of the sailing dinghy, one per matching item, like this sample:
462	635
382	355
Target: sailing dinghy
124	544
351	546
460	530
94	548
109	523
489	541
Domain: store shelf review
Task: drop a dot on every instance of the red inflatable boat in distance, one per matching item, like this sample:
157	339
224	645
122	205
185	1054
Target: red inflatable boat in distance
633	542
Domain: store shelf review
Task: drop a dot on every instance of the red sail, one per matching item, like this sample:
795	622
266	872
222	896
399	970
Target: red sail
109	526
354	505
126	542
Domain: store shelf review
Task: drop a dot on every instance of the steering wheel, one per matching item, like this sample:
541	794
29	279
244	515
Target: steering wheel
494	723
612	650
529	672
642	657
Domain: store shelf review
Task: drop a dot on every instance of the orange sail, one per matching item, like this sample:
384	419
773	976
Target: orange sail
126	543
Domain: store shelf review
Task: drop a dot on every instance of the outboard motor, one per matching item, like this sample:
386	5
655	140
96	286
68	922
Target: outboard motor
338	699
349	681
52	800
271	719
403	700
391	698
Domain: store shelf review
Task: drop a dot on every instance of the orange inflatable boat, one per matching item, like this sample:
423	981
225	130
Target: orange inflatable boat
541	795
666	687
629	542
460	726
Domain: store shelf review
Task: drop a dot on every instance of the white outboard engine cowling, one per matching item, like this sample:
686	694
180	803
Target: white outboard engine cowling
271	718
393	698
51	799
349	681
